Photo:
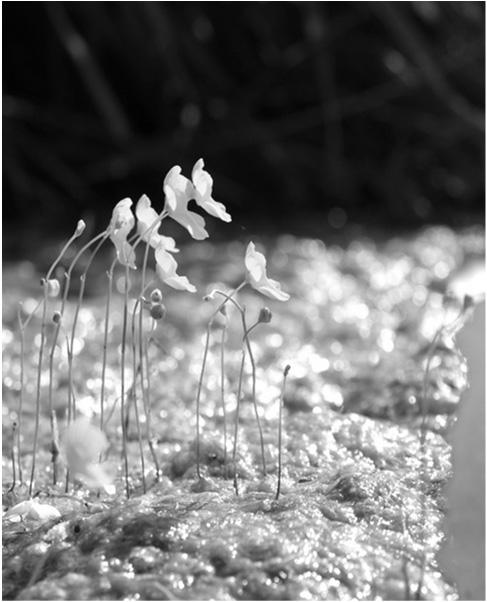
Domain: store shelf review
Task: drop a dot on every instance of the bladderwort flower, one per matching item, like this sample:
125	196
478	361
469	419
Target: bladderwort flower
121	224
179	190
256	276
203	185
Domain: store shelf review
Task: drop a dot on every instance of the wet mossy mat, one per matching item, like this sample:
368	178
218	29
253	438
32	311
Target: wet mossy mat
361	505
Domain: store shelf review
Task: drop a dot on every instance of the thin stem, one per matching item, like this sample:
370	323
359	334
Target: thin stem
237	413
122	376
222	388
198	397
252	361
146	395
254	398
76	234
103	236
105	345
12	457
38	393
143	358
134	395
279	442
203	366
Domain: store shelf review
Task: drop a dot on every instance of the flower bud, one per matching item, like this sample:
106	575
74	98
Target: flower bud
53	287
286	370
468	302
157	311
265	315
80	228
156	296
56	317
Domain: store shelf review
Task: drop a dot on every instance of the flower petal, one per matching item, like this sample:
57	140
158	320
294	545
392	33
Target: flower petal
121	224
203	184
179	191
146	218
166	267
255	263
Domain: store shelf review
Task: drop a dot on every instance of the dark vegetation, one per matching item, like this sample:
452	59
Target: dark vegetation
350	110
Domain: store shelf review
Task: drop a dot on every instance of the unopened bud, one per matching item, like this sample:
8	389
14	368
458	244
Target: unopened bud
157	311
265	315
80	228
156	296
56	317
286	370
53	287
468	302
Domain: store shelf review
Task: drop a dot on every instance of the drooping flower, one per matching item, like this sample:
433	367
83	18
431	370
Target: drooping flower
166	267
179	191
146	218
203	184
255	264
121	224
84	443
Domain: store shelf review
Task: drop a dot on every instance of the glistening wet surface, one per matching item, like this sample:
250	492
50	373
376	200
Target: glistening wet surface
361	505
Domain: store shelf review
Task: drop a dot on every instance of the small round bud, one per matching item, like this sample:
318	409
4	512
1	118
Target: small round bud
265	315
56	317
157	311
468	302
80	228
156	296
286	370
53	287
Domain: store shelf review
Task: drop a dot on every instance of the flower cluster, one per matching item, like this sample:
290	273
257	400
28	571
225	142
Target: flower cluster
178	192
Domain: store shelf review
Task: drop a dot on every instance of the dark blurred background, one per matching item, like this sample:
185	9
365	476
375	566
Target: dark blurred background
318	113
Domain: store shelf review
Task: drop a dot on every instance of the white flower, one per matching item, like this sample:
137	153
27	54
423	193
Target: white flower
83	445
203	184
32	509
179	191
146	217
255	263
120	225
166	267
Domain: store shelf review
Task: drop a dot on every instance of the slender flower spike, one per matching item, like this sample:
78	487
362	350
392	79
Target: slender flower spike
166	267
121	224
256	276
203	184
146	218
179	191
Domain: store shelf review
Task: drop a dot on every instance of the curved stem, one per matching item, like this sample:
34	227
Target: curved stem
76	234
252	361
